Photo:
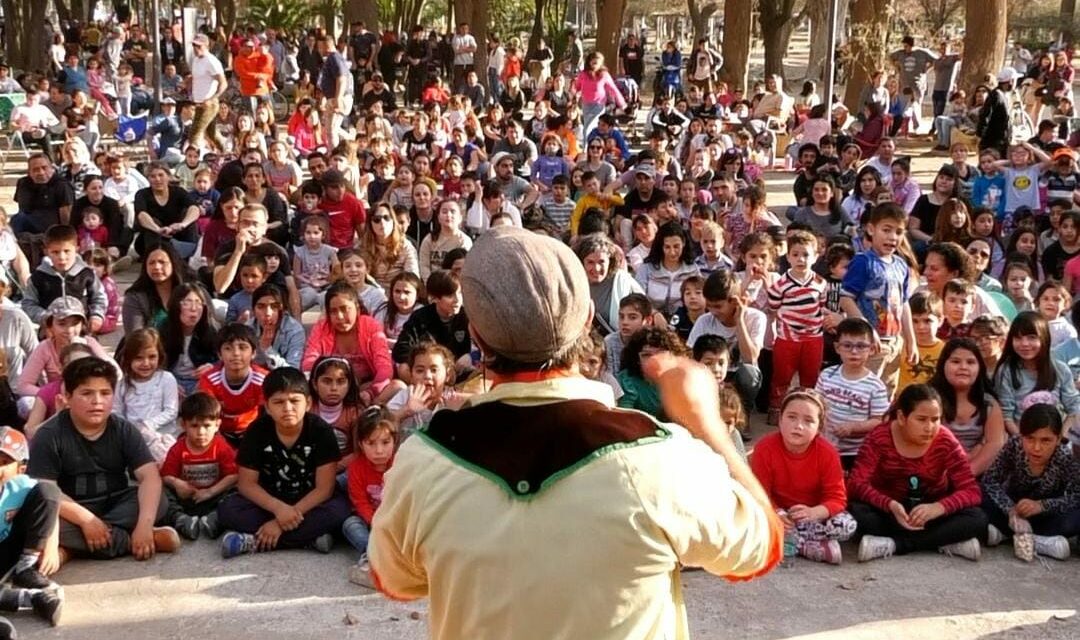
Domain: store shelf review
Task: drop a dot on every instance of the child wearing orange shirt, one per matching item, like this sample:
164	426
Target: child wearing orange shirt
801	473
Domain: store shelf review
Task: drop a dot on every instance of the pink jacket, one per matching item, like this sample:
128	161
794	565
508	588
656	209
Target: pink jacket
372	363
596	90
46	360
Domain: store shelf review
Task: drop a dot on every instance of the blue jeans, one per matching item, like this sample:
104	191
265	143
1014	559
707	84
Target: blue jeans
357	532
590	114
746	379
494	86
944	125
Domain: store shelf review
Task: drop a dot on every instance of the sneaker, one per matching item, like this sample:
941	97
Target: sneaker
31	578
48	605
166	540
969	549
187	526
360	573
234	544
1056	547
994	537
324	543
827	551
876	547
1024	546
209	527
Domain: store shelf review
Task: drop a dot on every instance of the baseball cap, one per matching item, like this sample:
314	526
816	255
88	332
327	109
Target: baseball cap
526	294
1063	152
250	42
13	443
499	157
168	101
200	39
65	307
646	169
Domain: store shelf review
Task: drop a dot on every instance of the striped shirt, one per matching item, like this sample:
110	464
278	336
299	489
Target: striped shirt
850	400
882	474
798	306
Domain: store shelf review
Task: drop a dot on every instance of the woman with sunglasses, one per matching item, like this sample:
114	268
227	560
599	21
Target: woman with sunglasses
594	161
385	249
979	250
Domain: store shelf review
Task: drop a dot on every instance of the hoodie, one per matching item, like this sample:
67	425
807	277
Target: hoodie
46	284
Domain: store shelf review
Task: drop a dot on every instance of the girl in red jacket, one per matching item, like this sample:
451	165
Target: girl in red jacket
345	330
376	442
801	473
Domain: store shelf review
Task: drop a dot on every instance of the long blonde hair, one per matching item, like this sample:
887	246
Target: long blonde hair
376	252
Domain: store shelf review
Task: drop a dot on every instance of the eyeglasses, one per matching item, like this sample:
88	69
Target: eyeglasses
191	304
595	147
854	347
989	337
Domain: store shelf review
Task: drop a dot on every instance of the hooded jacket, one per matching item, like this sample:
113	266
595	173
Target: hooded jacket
46	284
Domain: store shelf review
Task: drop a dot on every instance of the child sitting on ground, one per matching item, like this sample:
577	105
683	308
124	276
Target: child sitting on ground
635	312
431	367
253	273
593	365
1032	489
148	396
958	307
376	441
638	392
236	382
287	490
199	470
92	232
101	262
313	261
64	274
802	475
693	306
925	309
336	398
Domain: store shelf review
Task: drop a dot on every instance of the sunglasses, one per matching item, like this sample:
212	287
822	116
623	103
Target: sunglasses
977	253
382	218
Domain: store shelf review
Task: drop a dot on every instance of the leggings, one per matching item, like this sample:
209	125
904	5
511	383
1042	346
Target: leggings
839	527
791	356
948	529
1045	524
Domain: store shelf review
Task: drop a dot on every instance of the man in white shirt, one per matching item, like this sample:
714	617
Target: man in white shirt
33	121
496	60
882	162
207	86
464	45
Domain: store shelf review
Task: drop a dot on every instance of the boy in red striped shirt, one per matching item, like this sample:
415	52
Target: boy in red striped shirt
797	302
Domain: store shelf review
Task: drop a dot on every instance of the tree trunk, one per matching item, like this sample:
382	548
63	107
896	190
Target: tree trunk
24	43
867	44
736	45
537	26
1067	14
609	28
699	17
984	41
365	11
777	22
818	10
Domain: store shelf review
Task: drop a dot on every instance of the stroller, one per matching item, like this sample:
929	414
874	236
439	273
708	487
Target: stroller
631	93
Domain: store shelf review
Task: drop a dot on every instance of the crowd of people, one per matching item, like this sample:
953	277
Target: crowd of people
932	332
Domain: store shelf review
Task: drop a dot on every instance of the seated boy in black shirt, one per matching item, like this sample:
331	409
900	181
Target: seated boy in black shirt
90	453
288	495
443	322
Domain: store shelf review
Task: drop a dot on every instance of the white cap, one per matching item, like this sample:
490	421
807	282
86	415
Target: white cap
1008	74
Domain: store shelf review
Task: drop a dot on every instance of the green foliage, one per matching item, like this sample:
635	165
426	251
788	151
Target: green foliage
290	16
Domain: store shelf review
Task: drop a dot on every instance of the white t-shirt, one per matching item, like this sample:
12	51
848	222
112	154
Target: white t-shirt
457	43
708	324
204	73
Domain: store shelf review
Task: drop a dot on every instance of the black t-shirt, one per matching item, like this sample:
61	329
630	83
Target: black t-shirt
926	213
425	324
633	60
43	201
288	474
283	271
414	144
87	470
1054	259
635	204
362	45
173	211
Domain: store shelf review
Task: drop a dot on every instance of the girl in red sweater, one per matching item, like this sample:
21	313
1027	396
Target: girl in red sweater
912	488
376	442
801	473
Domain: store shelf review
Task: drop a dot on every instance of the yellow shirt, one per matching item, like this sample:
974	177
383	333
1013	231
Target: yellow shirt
595	553
922	372
587	201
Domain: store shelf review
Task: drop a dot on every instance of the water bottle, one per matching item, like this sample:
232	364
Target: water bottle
914	494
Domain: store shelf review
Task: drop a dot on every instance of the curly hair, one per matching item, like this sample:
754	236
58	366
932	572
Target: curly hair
660	338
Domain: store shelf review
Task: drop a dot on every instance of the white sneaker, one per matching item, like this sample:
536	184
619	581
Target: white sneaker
360	573
969	549
994	537
875	547
1056	547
